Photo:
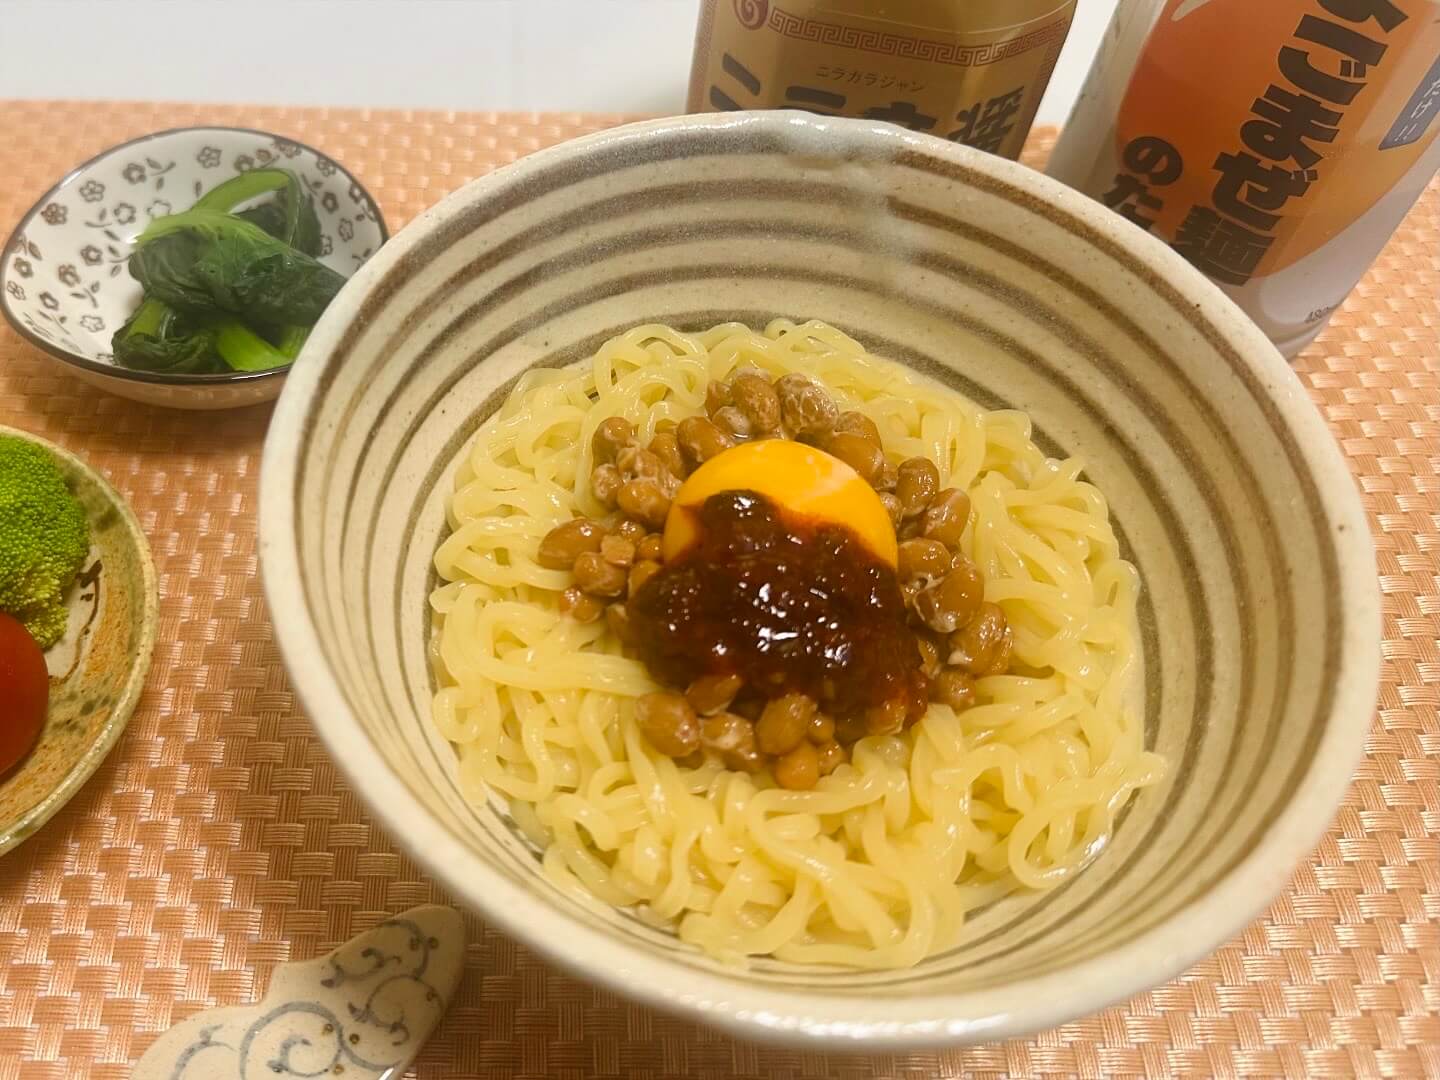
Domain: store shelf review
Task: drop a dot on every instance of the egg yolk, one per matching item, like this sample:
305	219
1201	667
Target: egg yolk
800	479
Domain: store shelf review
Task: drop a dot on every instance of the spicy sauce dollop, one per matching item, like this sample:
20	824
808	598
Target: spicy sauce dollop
787	604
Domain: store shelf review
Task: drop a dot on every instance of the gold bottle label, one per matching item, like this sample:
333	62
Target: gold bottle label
969	77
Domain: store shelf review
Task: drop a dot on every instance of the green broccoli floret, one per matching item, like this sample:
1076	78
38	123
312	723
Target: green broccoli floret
44	538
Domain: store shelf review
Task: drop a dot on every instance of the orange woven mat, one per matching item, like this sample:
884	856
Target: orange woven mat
218	840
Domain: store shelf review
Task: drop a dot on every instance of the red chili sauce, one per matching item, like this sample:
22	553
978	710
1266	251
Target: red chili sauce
788	604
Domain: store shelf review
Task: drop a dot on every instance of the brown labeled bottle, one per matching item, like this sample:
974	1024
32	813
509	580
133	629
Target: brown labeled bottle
972	71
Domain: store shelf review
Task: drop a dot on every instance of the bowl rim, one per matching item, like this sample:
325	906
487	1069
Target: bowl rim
804	1015
28	823
74	359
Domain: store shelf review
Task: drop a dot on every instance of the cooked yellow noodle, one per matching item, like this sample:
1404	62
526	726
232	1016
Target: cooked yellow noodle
878	865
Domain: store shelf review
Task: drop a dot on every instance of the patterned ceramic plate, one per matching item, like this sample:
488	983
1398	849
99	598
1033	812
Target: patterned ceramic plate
64	284
98	668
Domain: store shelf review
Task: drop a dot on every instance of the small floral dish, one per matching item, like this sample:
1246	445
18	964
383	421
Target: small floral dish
64	282
98	668
362	1013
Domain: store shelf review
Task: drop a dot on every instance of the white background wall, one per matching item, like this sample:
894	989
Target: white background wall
600	55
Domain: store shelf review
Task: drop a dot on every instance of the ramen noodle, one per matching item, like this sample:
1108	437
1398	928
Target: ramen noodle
877	865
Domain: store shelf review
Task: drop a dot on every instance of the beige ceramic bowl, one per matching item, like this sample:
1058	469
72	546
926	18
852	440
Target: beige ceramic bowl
1261	622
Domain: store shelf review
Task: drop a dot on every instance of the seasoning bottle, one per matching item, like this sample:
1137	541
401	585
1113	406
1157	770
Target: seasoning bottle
972	71
1276	145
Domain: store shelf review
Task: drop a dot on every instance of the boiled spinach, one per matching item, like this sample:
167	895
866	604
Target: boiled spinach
227	287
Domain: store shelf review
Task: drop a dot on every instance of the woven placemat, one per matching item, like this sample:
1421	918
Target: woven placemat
218	840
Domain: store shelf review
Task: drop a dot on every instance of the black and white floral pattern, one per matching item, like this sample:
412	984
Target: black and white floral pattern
55	214
208	157
92	191
134	173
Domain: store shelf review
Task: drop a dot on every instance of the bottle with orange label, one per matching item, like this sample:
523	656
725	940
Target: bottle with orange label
1275	145
971	71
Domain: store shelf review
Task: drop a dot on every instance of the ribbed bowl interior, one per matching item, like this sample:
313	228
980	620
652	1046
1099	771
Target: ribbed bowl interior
1259	614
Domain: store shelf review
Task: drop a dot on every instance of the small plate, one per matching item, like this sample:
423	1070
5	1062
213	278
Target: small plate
65	285
98	668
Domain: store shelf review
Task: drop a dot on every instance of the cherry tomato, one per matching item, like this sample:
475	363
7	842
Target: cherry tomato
24	691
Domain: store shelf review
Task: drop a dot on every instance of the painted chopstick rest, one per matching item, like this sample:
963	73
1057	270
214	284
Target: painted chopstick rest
361	1013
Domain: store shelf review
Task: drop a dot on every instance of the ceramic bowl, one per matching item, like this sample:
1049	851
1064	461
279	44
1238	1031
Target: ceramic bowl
64	283
98	668
1260	620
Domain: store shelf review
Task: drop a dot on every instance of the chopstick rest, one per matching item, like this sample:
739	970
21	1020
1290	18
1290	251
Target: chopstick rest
363	1012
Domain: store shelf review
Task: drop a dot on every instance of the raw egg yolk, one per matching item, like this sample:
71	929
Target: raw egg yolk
799	479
